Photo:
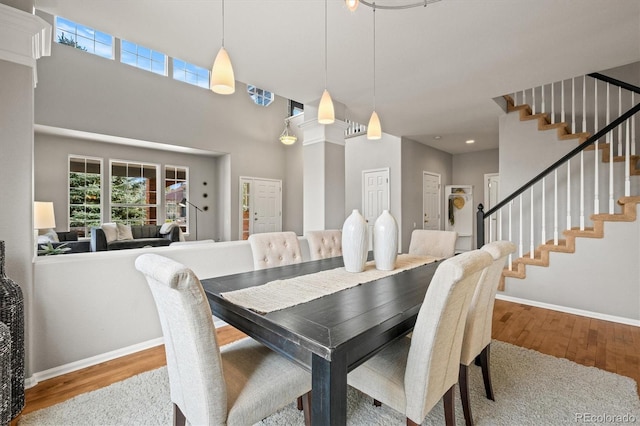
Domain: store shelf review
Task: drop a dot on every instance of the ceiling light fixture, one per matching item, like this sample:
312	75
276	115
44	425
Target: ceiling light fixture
352	5
326	113
222	79
470	141
287	138
374	128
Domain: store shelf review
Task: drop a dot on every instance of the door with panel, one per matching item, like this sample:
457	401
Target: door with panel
375	197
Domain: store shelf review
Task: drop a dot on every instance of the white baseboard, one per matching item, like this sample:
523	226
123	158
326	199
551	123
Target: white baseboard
590	314
88	362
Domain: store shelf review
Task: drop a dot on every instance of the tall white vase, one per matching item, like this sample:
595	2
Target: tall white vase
385	241
355	242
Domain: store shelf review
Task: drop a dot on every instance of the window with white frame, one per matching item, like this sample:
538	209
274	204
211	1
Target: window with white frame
189	73
85	190
84	38
133	193
260	96
176	183
142	57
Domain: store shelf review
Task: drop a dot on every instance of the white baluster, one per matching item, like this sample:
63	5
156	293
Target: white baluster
542	108
524	97
609	138
500	224
490	239
619	129
562	118
533	100
553	104
543	237
531	238
555	207
520	245
510	233
569	194
611	204
633	126
627	163
596	158
584	103
573	105
582	190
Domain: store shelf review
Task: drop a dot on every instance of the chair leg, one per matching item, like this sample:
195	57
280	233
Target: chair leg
411	422
449	407
178	416
463	382
377	403
306	407
485	358
299	403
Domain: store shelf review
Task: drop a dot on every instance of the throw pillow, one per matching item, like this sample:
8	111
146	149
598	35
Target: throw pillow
51	235
167	227
110	231
124	232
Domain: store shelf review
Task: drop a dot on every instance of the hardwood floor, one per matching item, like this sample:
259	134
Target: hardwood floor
591	342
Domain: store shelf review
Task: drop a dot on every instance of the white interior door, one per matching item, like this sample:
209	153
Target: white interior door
263	199
491	194
431	201
375	196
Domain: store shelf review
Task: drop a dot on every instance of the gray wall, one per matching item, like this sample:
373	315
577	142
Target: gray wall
469	169
84	92
418	158
51	168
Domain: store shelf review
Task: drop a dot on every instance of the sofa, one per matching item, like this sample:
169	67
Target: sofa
69	239
102	238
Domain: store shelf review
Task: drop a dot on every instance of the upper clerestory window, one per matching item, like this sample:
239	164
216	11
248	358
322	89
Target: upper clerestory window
143	57
84	38
189	73
260	97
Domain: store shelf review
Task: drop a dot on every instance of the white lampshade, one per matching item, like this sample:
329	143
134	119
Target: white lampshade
374	129
326	114
352	5
222	79
43	216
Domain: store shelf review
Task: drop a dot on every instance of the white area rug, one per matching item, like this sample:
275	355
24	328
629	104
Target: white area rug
530	389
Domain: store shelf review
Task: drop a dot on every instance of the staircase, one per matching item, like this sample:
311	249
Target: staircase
588	140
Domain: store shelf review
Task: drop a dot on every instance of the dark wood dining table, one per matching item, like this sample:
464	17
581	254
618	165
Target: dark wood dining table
331	335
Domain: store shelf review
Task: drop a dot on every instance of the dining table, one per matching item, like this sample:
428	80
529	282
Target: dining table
329	335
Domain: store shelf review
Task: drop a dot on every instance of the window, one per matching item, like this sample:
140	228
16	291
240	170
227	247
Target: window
84	38
295	108
189	73
143	57
84	194
134	199
260	97
175	190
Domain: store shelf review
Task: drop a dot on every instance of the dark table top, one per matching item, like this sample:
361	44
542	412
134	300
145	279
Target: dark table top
355	321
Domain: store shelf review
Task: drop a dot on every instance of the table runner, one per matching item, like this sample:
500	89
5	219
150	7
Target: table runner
281	294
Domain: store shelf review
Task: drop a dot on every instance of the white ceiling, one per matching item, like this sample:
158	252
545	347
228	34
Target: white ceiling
437	67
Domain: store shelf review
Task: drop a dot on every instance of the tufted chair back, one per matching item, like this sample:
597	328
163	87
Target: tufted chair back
323	244
433	243
272	249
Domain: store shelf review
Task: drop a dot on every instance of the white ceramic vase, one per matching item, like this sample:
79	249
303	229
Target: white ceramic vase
385	241
355	242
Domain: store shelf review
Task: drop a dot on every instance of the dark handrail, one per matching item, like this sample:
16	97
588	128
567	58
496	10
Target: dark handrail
615	123
615	82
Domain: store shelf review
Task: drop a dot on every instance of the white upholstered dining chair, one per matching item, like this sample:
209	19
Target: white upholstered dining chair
324	244
238	384
272	249
433	243
477	332
412	374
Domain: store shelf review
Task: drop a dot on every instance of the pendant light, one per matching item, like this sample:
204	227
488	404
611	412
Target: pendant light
287	138
352	5
374	129
222	79
326	113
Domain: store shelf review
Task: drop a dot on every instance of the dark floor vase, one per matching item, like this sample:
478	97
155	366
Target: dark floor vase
12	314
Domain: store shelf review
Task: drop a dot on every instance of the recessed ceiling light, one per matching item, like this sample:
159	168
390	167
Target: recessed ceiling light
470	141
437	137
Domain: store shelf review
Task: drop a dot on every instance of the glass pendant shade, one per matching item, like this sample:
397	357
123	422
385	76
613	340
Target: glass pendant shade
352	5
286	138
326	113
222	79
374	130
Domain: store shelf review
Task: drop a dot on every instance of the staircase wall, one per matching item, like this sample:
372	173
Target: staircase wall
603	276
